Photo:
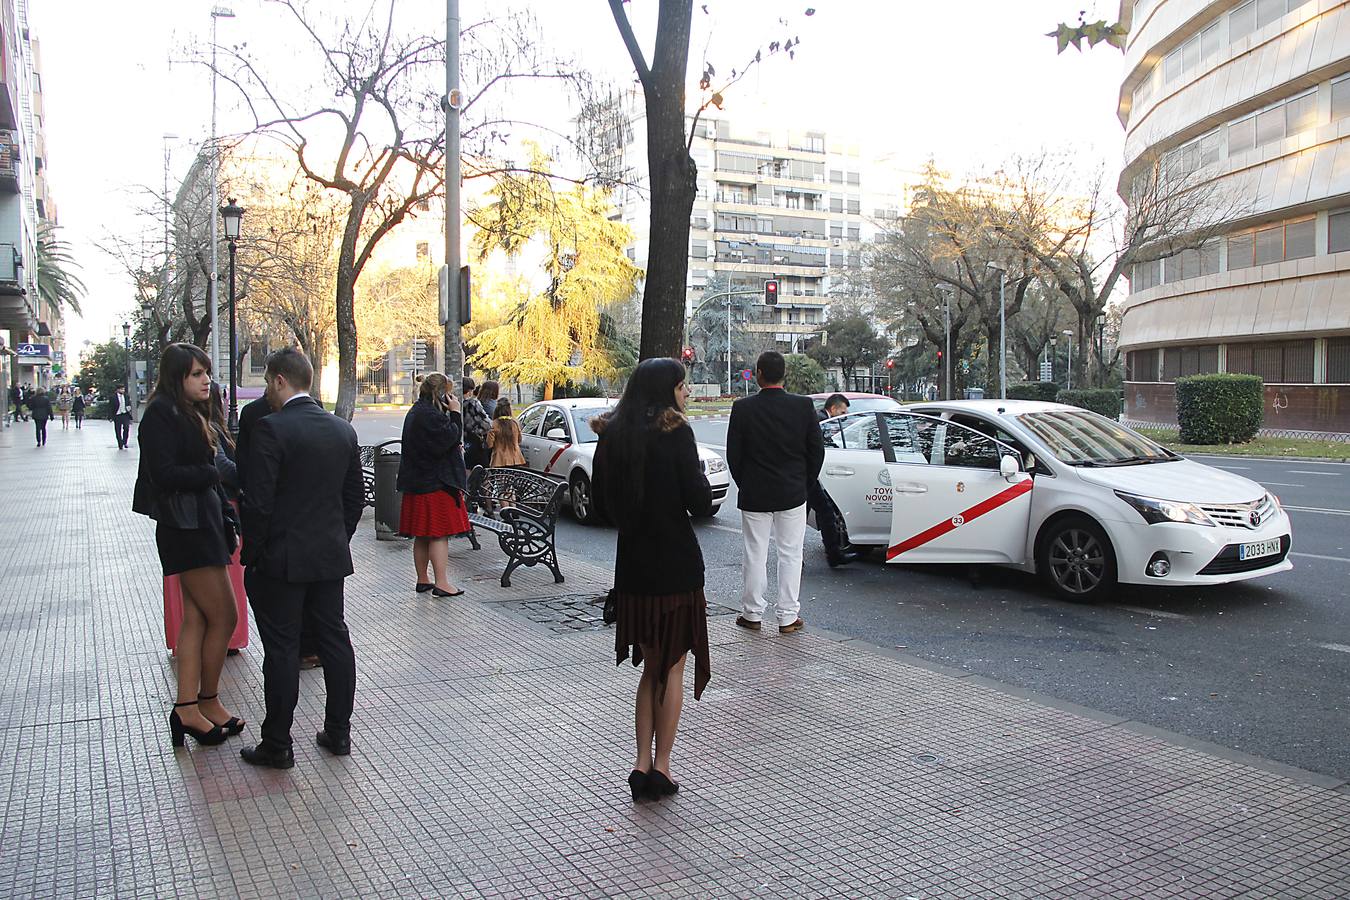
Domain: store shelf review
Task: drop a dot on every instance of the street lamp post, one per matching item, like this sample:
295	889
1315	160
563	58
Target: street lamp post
704	302
131	381
147	314
212	289
947	328
1002	331
1101	349
1069	334
231	214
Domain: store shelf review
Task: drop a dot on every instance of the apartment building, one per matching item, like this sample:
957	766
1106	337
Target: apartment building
1250	98
774	201
32	330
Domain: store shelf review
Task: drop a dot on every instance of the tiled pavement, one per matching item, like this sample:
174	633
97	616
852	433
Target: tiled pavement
491	748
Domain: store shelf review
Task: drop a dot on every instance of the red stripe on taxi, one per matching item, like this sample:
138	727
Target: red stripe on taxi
974	512
555	458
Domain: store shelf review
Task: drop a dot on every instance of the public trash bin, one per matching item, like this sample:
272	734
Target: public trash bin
388	501
974	393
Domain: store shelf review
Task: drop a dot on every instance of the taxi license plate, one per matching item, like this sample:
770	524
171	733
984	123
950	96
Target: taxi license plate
1258	549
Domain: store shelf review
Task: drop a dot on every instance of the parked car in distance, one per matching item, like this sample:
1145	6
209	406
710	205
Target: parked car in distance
858	401
1047	488
557	441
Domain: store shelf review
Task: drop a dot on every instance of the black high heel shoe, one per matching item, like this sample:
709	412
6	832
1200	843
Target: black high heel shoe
637	783
437	592
177	729
659	784
232	727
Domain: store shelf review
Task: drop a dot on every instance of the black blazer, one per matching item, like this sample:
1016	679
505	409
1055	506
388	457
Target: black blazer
304	497
774	448
432	458
175	459
39	407
248	417
659	553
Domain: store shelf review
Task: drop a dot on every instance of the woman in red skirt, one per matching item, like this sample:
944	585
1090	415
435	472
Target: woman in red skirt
432	480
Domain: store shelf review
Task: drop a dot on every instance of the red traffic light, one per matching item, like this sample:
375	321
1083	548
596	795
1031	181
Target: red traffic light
687	354
771	292
890	364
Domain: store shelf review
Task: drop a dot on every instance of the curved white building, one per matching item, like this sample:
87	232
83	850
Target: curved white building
1253	95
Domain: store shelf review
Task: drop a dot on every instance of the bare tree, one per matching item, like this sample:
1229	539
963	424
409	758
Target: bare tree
1083	247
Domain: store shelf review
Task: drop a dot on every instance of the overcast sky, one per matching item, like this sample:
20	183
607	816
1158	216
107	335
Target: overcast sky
967	82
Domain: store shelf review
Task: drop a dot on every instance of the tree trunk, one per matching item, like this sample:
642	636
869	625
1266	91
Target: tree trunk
673	184
345	308
318	359
548	390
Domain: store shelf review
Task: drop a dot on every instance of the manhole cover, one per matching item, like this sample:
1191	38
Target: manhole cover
927	758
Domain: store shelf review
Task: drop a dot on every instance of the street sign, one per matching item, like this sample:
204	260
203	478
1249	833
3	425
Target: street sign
747	375
1047	370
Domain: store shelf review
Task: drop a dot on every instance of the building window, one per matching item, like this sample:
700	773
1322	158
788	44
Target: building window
854	178
854	233
1276	362
1340	99
1242	21
1338	232
1192	263
1271	243
836	176
1338	360
1286	118
1179	362
837	230
1146	275
1141	365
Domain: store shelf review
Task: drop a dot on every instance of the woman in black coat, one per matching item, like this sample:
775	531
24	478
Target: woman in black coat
648	481
178	485
432	480
40	408
77	407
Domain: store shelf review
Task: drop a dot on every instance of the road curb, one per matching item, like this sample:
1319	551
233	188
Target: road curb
1111	720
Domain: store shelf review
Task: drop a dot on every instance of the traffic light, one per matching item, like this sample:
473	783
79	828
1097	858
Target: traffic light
687	354
939	359
890	364
771	292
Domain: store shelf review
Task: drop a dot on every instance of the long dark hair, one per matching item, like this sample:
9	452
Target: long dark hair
649	395
174	367
215	414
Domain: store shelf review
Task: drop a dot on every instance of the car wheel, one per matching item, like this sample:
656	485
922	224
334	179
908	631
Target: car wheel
583	506
1076	559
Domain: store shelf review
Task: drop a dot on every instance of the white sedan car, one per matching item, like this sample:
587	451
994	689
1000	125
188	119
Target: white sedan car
556	440
1046	488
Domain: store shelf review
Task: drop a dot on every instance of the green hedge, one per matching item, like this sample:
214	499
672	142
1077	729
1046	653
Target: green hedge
1219	409
1034	390
1105	401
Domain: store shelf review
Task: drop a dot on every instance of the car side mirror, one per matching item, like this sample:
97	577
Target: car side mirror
556	434
1007	466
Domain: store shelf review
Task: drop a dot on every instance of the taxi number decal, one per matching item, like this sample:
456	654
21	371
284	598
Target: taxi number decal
960	519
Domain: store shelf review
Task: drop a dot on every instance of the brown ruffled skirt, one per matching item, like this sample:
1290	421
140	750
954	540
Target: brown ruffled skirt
668	626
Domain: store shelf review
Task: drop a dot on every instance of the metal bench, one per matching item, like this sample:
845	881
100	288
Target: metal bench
368	473
521	508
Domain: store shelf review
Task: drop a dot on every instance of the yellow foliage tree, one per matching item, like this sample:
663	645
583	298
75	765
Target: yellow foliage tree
554	336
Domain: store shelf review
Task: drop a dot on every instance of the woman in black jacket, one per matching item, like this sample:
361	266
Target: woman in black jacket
77	407
432	480
648	481
178	485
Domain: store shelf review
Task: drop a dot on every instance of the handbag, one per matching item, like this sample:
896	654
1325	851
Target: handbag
611	612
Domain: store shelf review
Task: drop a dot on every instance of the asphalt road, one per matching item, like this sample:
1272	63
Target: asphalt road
1262	666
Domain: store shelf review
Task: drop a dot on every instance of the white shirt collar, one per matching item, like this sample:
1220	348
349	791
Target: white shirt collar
296	396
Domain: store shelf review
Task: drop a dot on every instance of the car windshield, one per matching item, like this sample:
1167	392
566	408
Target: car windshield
582	419
1082	438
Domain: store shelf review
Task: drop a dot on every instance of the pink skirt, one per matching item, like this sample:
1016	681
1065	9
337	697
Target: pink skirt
173	606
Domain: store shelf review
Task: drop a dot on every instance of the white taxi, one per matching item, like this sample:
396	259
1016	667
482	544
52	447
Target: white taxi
1046	488
556	440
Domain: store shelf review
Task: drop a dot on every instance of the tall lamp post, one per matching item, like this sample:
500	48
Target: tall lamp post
147	316
1002	330
947	328
1101	349
213	288
131	381
1069	334
231	214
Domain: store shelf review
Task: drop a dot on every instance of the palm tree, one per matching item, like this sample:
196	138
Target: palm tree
57	282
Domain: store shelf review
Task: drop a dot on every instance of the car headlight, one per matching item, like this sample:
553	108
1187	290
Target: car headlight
1157	511
714	465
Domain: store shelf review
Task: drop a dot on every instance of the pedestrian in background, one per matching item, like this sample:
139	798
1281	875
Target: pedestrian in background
487	396
15	402
648	482
77	407
121	416
40	408
774	450
475	424
178	485
828	520
63	406
303	501
432	479
503	439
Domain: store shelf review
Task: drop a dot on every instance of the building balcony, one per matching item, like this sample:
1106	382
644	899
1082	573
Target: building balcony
9	162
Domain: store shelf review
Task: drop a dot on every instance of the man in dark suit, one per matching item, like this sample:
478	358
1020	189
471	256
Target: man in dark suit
302	504
818	500
774	450
121	415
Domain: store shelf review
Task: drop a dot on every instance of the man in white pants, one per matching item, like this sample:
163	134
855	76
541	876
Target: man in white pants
774	450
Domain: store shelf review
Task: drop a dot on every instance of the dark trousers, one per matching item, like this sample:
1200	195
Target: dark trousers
282	610
819	502
122	427
40	426
79	419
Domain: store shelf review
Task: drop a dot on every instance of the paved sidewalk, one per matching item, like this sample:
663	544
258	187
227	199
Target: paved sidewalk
493	735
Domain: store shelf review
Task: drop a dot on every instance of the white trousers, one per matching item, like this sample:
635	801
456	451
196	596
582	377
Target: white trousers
788	529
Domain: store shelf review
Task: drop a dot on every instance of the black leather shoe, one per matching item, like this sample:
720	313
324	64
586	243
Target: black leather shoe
274	759
842	558
338	746
659	784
